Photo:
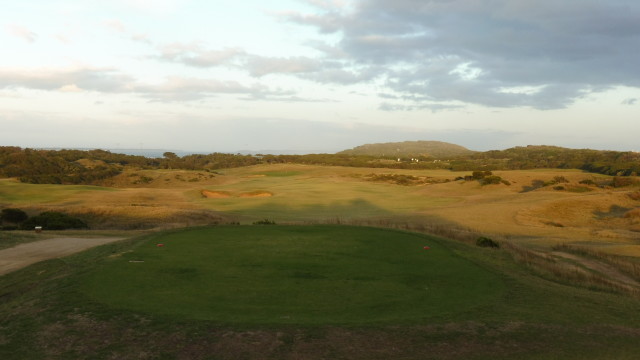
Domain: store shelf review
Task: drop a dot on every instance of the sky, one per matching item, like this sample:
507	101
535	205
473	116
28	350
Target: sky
319	75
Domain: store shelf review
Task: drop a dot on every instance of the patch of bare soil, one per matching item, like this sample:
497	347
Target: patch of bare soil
30	253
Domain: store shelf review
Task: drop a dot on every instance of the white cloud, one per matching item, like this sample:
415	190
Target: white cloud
115	25
21	32
193	54
71	88
95	79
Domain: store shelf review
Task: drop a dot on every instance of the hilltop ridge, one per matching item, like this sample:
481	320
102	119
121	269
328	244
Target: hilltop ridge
435	149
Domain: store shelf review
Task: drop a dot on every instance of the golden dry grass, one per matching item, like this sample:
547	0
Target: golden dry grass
540	218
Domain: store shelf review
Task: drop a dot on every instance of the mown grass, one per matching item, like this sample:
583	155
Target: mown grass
18	193
311	275
46	312
316	196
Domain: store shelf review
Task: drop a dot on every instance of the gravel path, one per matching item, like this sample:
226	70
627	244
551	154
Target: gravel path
26	254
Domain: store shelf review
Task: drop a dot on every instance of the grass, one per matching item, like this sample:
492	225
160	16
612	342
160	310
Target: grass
12	238
305	275
18	193
65	309
304	193
319	195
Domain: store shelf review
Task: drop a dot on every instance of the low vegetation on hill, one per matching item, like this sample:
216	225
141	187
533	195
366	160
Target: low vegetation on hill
95	166
411	149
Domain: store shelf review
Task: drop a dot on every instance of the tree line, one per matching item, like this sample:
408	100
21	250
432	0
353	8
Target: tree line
93	166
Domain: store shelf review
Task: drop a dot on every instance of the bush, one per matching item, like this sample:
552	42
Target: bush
491	179
52	220
264	222
479	175
12	215
622	181
486	242
560	179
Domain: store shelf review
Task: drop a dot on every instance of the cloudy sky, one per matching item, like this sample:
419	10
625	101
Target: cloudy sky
319	75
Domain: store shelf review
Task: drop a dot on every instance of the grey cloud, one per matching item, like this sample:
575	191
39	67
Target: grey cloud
260	66
565	48
385	106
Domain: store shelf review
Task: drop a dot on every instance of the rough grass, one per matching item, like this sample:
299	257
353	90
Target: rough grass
540	218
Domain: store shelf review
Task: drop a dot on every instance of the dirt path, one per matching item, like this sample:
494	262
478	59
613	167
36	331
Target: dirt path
26	254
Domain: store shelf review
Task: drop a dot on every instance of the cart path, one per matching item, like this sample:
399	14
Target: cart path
22	255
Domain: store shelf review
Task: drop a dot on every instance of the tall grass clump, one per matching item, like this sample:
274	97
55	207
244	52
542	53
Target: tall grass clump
626	265
562	271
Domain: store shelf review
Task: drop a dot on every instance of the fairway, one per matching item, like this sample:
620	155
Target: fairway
306	275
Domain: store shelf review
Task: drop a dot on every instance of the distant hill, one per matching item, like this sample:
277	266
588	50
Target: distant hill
435	149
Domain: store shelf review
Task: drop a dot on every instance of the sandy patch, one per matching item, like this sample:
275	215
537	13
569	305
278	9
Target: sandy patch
255	194
215	194
26	254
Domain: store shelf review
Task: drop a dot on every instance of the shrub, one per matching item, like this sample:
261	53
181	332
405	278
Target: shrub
52	220
491	179
622	181
486	242
560	179
535	184
479	175
587	182
264	222
12	215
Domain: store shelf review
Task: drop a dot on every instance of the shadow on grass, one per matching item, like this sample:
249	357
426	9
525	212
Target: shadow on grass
615	211
356	208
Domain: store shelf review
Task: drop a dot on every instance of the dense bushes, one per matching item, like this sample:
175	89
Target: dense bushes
12	215
52	220
486	242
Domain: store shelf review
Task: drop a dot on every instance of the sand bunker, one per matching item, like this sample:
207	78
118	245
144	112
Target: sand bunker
255	194
215	194
224	194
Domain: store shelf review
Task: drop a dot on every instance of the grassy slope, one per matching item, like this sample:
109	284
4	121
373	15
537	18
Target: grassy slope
44	314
